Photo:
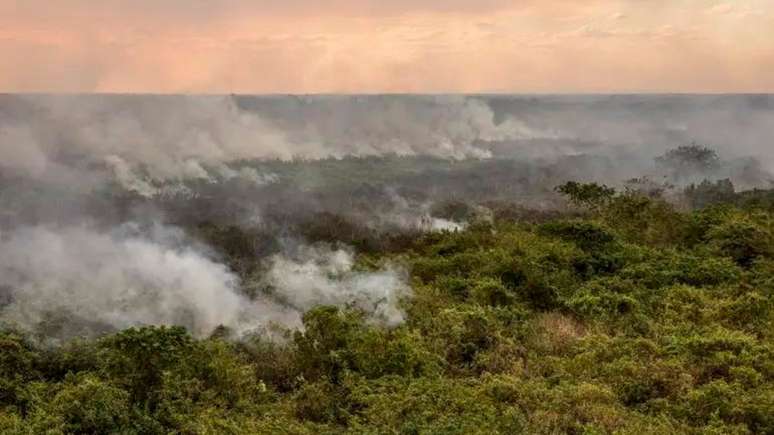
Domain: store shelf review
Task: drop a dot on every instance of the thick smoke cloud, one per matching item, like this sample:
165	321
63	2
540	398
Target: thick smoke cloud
322	276
114	279
454	127
143	142
106	281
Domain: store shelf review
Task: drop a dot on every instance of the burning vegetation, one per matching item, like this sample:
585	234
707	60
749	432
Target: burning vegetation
443	282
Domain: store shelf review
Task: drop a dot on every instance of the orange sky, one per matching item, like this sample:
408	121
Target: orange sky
351	46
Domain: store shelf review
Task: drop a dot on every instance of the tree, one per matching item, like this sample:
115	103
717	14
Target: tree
140	356
688	161
708	193
589	195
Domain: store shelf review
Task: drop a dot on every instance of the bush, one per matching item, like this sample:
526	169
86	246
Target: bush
742	240
318	402
87	404
590	195
588	236
641	219
138	357
19	362
637	319
708	193
490	291
322	347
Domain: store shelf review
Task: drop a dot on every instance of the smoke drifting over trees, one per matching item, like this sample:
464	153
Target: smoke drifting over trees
76	279
116	210
386	264
152	139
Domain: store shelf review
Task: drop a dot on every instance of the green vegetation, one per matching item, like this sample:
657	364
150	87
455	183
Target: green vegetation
626	316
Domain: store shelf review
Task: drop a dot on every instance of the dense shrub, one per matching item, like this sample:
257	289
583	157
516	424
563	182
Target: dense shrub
634	319
90	405
742	240
709	193
591	195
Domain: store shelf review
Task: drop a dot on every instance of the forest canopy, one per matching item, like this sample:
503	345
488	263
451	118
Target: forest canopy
623	314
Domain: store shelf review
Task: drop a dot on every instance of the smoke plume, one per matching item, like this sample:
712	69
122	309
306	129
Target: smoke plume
324	276
101	281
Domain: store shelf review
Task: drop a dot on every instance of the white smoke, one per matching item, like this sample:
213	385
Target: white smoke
171	139
126	177
146	141
141	142
323	276
406	214
123	278
454	127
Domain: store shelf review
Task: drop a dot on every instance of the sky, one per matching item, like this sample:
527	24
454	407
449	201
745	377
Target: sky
386	46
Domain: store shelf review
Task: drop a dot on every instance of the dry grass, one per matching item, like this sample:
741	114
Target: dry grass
555	332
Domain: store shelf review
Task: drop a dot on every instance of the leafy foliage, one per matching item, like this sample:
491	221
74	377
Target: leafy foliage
634	318
590	195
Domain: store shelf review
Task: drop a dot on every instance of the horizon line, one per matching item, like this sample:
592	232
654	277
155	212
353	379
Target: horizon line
377	94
